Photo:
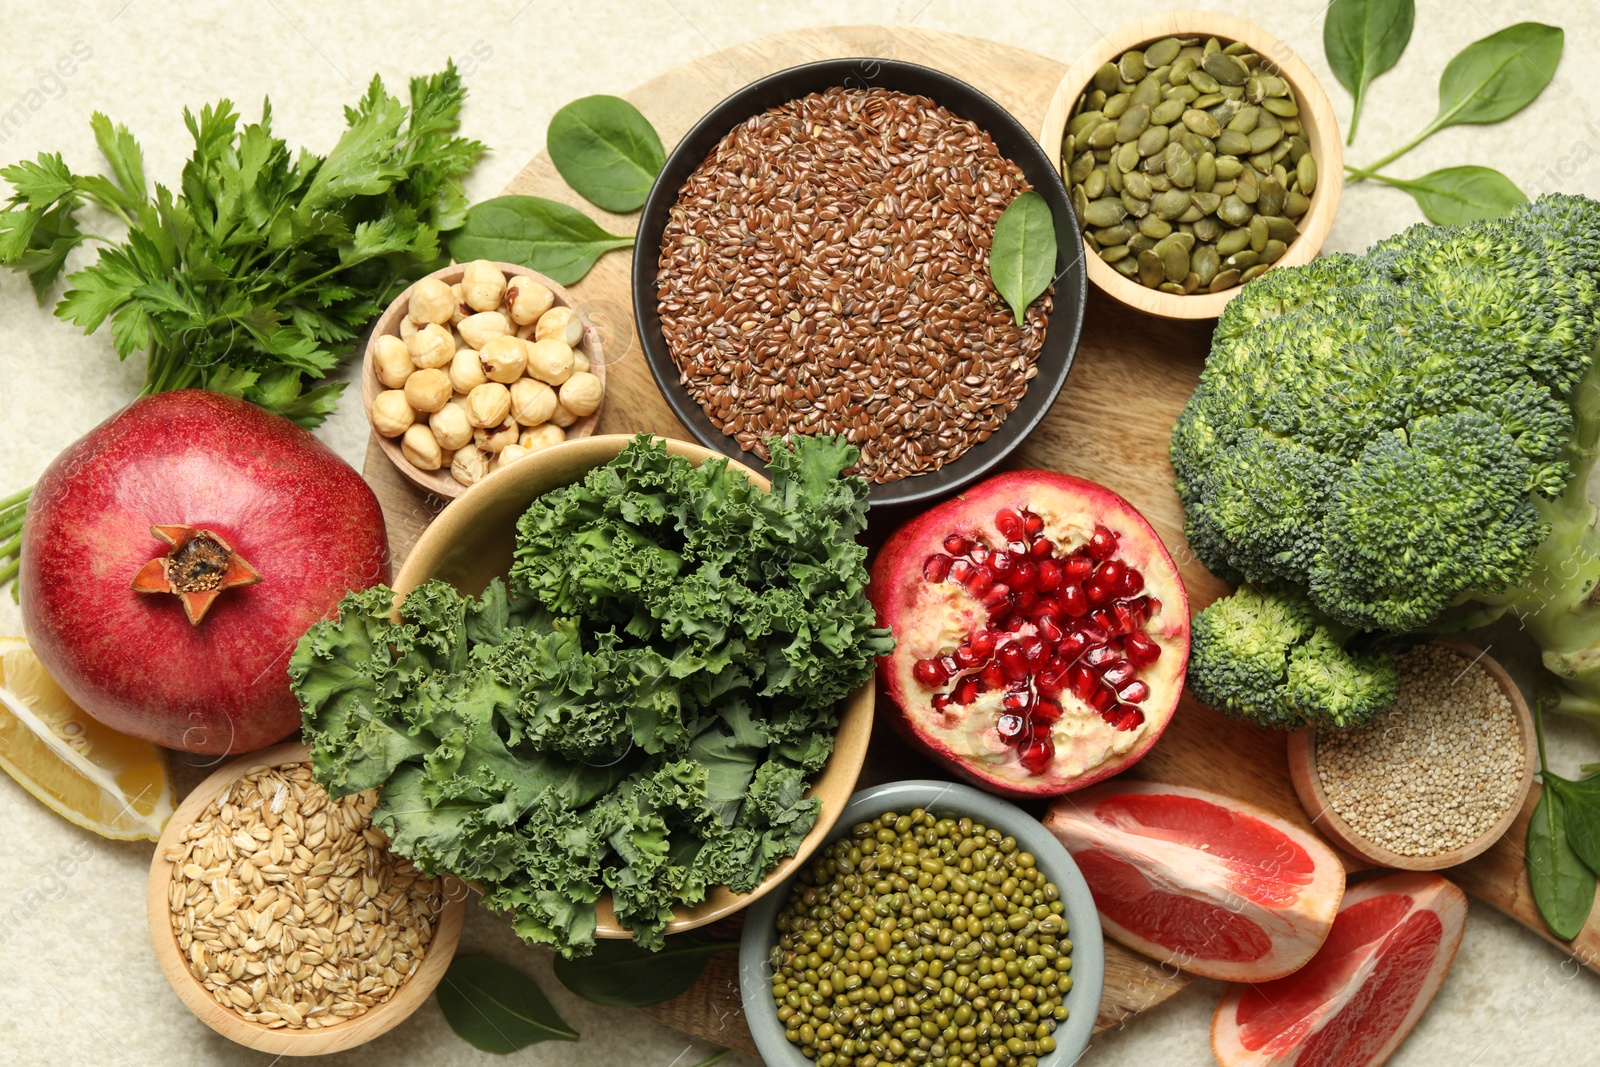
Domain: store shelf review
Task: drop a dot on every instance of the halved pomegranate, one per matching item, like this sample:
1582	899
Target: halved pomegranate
1207	883
1041	632
1391	946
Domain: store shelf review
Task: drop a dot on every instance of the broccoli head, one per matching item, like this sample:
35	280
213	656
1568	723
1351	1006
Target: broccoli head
1376	439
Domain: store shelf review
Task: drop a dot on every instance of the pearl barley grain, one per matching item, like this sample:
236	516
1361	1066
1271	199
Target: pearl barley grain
1434	772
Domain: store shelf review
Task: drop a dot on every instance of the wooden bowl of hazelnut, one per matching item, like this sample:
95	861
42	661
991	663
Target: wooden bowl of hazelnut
476	366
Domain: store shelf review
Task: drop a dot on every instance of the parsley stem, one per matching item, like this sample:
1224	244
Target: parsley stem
10	572
713	1058
16	498
1538	732
11	524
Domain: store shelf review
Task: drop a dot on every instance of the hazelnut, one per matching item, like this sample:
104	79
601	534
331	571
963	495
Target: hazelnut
466	373
503	359
421	448
532	401
488	404
580	362
469	465
562	416
526	299
391	415
428	390
391	359
542	437
478	330
408	329
560	324
431	301
483	285
494	438
509	455
550	361
524	333
581	394
462	308
432	346
450	425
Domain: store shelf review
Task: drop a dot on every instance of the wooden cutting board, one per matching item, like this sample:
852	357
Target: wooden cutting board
1111	423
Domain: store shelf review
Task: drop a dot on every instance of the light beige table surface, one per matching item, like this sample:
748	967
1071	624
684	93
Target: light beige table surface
78	984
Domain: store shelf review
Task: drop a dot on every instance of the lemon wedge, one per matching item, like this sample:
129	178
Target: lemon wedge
99	779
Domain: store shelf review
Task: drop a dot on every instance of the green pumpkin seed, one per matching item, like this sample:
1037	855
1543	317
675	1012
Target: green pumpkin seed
1206	263
1233	210
1201	123
1267	118
1224	112
1282	229
1249	188
1280	151
1258	233
1212	45
1190	283
1148	92
1291	126
1253	273
1132	66
1155	228
1248	257
1203	81
1117	106
1133	122
1133	205
1080	203
1114	253
1224	187
1197	145
1112	235
1127	156
1102	136
1082	167
1261	162
1281	106
1094	186
1140	243
1228	167
1083	122
1174	258
1107	212
1205	171
1254	90
1102	155
1114	178
1172	203
1151	271
1296	204
1160	182
1094	101
1128	267
1171	287
1298	148
1273	251
1162	52
1180	166
1207	100
1190	217
1224	68
1237	48
1105	79
1167	112
1306	173
1207	229
1275	86
1182	67
1137	185
1224	280
1152	140
1159	74
1245	120
1207	202
1261	139
1270	198
1232	143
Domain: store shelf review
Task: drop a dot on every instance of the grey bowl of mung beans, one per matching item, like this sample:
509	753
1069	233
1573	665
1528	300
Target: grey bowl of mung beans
961	979
813	259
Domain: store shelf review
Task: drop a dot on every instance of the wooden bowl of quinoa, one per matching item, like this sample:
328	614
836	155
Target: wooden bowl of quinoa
1431	781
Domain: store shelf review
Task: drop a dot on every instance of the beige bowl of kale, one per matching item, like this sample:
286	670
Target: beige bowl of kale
469	546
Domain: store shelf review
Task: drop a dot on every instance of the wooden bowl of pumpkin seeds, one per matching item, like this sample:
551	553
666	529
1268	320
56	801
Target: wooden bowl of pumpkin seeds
1200	152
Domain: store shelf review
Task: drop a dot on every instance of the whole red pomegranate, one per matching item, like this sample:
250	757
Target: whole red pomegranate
1041	632
173	556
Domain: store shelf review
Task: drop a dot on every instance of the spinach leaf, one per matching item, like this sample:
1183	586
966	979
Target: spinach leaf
495	1007
1022	258
1582	803
1498	76
606	150
1362	39
1461	194
624	975
541	234
1563	885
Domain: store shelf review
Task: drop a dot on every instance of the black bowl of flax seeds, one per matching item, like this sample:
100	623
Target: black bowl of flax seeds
813	259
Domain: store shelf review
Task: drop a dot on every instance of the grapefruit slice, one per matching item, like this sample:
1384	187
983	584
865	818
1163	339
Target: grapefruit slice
1353	1004
1212	885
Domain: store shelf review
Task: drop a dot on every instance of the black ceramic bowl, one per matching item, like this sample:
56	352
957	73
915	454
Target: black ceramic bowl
1066	320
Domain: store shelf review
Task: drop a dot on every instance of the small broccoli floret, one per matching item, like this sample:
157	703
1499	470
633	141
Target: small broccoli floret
1394	434
1335	688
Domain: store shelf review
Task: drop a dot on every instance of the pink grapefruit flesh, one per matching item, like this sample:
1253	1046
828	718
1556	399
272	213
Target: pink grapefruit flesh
1391	946
1207	883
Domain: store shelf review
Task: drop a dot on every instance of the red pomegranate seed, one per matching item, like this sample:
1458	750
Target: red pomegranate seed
1017	700
1104	620
1034	650
1118	672
929	672
1009	522
961	570
1074	602
1032	523
957	545
1049	576
1037	755
1009	727
993	676
983	643
1100	656
968	657
1139	608
941	701
1102	543
1003	564
966	692
1123	717
1072	645
1132	581
1152	606
1082	681
1097	594
1122	618
1026	602
1013	661
1041	549
936	566
979	554
1102	698
1135	692
1141	650
979	581
1047	712
1050	630
996	595
1109	574
1054	670
1025	575
1076	568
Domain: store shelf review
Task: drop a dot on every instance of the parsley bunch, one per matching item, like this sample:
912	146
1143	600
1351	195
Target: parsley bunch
255	276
